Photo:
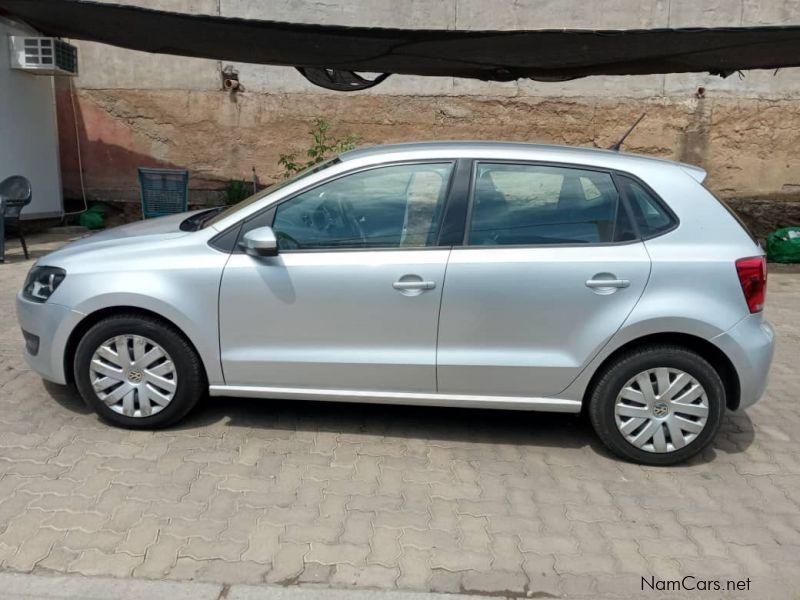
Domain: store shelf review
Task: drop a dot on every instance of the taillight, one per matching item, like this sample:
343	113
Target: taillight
753	277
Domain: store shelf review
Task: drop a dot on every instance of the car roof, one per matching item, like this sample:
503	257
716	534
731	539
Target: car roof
516	150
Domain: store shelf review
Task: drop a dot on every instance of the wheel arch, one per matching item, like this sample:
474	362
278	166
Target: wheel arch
713	354
95	317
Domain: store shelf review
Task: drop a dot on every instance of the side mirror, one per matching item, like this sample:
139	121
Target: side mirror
260	242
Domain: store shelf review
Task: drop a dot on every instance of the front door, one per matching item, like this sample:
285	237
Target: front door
549	272
351	302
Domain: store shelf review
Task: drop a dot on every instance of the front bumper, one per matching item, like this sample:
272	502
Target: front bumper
52	325
750	345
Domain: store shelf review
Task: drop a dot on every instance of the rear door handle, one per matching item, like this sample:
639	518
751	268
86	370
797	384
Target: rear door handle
414	285
607	283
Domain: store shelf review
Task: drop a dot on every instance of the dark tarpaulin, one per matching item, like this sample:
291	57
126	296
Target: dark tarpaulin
330	54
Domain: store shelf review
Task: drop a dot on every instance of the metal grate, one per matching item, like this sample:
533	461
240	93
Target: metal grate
66	56
163	191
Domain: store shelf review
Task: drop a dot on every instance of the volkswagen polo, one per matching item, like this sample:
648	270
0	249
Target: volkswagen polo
487	275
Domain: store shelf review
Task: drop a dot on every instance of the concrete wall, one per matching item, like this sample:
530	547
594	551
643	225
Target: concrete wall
28	130
136	108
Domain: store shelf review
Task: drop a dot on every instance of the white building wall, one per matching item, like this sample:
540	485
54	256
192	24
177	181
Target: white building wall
28	130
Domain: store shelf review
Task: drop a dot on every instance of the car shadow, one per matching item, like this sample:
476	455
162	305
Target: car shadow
449	424
736	433
525	428
67	396
402	421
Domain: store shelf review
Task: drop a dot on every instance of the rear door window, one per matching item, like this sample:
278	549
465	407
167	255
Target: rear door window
527	204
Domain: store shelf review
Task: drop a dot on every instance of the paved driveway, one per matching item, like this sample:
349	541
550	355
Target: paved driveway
391	497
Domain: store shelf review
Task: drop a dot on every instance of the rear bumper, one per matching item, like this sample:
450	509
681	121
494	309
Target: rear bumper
52	325
750	345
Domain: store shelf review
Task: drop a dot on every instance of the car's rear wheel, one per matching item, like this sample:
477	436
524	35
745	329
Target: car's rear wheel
138	371
658	405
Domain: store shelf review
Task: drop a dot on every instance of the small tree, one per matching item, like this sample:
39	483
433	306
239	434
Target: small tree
235	191
322	147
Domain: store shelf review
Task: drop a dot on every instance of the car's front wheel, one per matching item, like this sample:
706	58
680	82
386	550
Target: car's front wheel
658	405
138	371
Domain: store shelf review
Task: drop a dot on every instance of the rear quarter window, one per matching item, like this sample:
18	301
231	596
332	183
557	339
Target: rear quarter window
651	217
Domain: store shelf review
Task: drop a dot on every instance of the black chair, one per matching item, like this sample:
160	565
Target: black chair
15	194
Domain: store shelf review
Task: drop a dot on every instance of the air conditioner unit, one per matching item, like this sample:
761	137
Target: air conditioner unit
43	55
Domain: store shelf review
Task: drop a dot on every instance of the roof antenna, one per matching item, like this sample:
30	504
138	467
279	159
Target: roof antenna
618	145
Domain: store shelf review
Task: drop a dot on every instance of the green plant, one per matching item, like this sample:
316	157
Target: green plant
235	191
322	147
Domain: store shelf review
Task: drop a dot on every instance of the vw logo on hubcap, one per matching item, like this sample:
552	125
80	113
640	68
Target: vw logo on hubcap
135	376
660	409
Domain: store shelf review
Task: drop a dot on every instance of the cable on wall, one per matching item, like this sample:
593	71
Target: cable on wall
78	146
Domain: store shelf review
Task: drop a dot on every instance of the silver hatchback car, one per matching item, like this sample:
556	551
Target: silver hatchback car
489	275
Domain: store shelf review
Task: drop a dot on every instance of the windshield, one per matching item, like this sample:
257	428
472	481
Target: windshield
265	192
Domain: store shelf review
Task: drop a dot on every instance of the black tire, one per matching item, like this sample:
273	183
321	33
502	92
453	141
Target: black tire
191	378
610	383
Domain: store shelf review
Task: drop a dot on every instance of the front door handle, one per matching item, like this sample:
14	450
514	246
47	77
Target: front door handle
607	283
414	285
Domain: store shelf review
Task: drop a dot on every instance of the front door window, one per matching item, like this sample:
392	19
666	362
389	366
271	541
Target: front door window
396	206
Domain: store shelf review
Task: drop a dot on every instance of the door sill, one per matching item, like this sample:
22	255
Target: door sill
412	398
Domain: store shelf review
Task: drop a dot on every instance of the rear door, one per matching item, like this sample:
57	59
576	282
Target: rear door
550	269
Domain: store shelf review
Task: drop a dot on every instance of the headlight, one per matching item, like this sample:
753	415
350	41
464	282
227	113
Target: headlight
42	282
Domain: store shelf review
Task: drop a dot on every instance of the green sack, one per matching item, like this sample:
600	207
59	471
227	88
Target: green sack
783	245
93	218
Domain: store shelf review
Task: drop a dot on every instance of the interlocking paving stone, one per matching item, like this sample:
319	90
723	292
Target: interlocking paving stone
382	497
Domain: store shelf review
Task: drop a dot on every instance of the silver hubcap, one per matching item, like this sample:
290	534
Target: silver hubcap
133	376
661	410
